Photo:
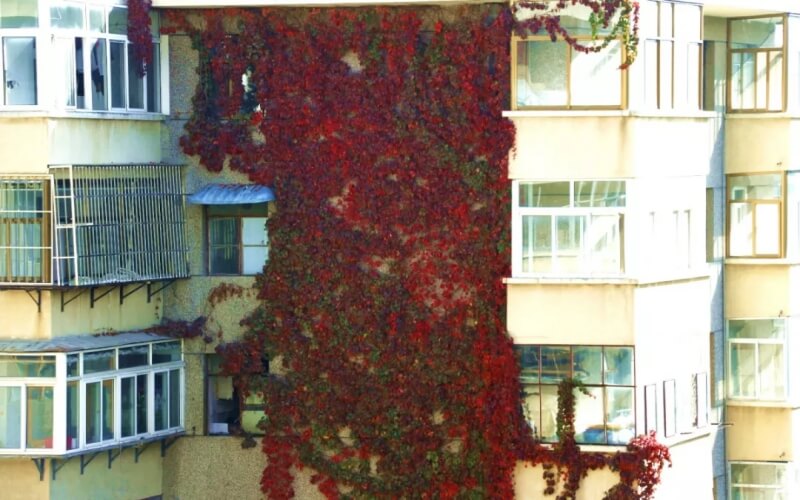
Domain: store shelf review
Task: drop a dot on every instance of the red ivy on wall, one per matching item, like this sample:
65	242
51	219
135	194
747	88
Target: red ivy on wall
139	34
381	132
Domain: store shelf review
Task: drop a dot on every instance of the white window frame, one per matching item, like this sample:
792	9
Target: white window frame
59	384
518	213
754	341
785	488
50	71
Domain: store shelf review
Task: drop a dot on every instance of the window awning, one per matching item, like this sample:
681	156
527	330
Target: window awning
77	342
231	194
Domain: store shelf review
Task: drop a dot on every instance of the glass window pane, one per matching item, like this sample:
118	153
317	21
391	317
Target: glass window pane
589	425
118	21
693	75
755	187
117	74
223	231
556	364
97	19
771	371
619	414
537	243
604	243
19	70
94	412
595	78
775	71
141	404
588	365
108	409
743	370
27	366
223	401
528	358
40	417
99	71
254	231
665	20
651	73
649	18
544	194
736	80
548	414
128	404
224	260
619	365
758	474
19	13
764	32
531	401
600	193
72	365
130	357
65	88
768	229
174	398
135	83
153	80
99	361
253	259
10	417
166	352
73	415
761	80
741	230
80	81
747	75
67	16
541	73
161	401
569	243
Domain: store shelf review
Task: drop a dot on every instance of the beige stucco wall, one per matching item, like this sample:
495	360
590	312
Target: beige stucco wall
19	480
761	143
570	314
691	475
29	144
23	145
758	291
759	433
125	480
21	318
575	146
107	315
529	485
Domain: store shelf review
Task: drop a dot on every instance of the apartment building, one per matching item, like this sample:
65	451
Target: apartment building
653	253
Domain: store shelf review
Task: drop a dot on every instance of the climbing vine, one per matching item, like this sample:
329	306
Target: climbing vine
140	35
382	306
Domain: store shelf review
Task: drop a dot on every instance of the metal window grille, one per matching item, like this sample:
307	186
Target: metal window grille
118	224
25	226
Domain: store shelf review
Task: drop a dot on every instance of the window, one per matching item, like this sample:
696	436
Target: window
113	396
568	227
756	357
650	409
92	65
549	74
670	409
229	412
237	238
26	402
603	416
757	58
24	230
671	46
750	480
699	400
97	70
755	215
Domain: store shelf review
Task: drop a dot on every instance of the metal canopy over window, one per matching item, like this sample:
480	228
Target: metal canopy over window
232	194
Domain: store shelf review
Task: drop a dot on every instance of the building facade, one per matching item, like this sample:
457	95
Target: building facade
654	233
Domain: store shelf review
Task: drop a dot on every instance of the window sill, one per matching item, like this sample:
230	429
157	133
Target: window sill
110	445
92	115
686	437
567	113
762	261
753	403
564	280
763	115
